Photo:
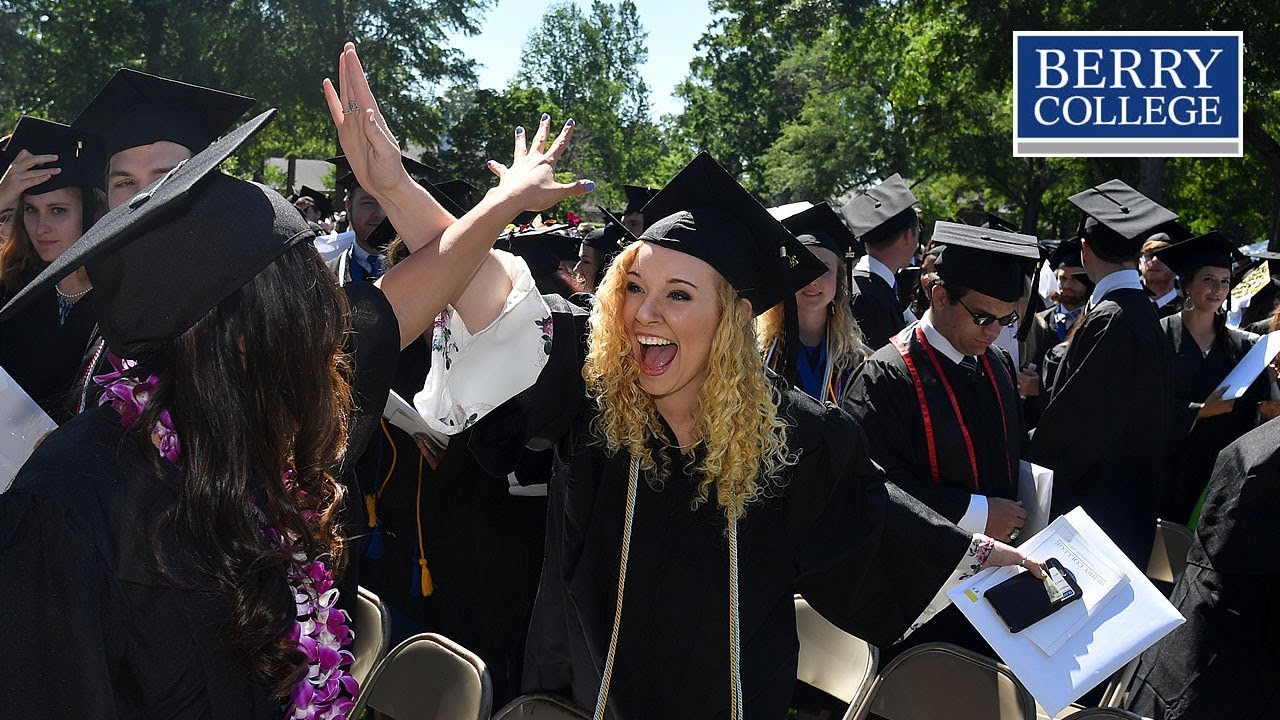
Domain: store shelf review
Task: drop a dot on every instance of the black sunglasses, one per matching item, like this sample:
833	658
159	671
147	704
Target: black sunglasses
982	319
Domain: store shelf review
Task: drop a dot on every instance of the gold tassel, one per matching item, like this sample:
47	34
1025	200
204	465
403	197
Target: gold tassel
371	508
427	587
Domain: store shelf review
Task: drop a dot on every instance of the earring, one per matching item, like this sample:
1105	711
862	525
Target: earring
831	308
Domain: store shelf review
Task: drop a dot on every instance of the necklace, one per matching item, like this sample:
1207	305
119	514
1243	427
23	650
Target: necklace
71	296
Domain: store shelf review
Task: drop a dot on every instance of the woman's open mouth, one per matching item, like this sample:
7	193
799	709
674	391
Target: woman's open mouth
656	354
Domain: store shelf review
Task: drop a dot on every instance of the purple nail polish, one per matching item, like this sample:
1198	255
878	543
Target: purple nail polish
545	117
571	123
589	185
519	130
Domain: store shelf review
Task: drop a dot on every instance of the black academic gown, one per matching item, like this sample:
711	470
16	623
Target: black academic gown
1224	662
1169	309
884	400
875	307
1197	441
1106	429
826	533
92	628
43	356
483	545
1044	334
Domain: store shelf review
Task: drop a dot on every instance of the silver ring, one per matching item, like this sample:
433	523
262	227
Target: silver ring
1014	535
1023	563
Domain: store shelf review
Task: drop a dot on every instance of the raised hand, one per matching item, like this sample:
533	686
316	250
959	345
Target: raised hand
23	175
370	147
530	181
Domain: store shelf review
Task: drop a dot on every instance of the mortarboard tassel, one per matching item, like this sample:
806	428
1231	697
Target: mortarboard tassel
425	583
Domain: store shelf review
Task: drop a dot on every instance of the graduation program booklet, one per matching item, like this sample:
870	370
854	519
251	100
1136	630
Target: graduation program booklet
1251	366
23	423
1115	630
1035	492
1098	582
405	416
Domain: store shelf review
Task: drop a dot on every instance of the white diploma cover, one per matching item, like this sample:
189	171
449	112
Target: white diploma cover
1251	366
22	424
1091	638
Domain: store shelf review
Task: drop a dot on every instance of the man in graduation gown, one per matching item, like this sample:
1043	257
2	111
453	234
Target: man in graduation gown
939	403
885	222
1050	326
1223	663
364	259
1159	278
1106	427
633	219
151	123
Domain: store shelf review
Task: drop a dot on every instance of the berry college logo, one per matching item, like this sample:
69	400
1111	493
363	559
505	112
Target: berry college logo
1128	94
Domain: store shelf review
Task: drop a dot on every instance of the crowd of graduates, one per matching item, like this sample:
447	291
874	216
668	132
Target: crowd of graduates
720	403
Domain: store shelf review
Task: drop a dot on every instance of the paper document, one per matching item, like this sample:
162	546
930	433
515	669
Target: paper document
1035	491
1098	582
1114	630
403	415
1251	366
23	424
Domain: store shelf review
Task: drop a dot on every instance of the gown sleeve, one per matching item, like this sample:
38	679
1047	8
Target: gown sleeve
874	558
473	373
374	349
63	635
881	400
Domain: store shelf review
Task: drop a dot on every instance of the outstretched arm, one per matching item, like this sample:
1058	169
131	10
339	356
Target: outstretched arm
448	253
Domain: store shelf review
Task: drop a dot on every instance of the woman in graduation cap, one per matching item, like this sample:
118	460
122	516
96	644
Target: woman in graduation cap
822	347
170	553
1205	351
51	184
696	494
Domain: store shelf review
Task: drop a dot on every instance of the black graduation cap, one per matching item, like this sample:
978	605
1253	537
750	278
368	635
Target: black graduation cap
135	109
705	213
163	260
347	179
1212	249
989	261
1066	254
322	202
79	153
462	193
609	239
998	223
544	248
1119	217
637	198
820	226
878	206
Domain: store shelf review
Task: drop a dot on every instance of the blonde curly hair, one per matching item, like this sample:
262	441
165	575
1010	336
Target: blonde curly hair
745	440
848	347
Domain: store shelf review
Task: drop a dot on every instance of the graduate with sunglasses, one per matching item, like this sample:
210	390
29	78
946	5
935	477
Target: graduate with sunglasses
939	403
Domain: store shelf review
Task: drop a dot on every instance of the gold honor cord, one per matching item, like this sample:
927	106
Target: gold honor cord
735	671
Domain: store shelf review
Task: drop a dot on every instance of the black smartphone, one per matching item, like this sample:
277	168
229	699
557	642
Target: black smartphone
1024	600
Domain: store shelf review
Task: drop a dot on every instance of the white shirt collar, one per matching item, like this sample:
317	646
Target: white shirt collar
360	255
1118	280
1166	298
937	340
866	262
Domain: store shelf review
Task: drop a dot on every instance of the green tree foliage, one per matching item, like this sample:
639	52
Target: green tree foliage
275	51
587	63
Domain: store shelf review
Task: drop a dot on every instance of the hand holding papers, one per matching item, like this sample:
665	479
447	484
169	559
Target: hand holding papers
23	423
404	416
1063	656
1251	366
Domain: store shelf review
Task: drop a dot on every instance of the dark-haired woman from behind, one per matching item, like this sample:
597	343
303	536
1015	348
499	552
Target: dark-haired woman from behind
172	552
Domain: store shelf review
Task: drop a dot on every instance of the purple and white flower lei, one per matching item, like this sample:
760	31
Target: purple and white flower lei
321	630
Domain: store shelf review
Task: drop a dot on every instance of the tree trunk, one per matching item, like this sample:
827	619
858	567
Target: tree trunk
1268	151
1151	177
